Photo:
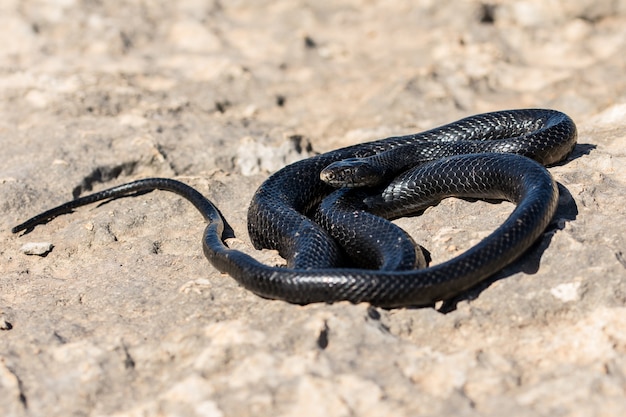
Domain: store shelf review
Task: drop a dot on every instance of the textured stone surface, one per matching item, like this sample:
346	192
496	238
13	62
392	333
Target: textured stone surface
124	317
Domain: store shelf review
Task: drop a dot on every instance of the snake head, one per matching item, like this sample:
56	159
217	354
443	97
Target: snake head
351	173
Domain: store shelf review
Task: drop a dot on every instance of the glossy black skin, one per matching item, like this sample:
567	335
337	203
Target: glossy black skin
279	209
278	213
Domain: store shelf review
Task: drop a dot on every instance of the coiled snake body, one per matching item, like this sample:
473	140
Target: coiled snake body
303	217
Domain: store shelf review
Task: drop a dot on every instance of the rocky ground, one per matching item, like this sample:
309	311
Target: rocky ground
125	317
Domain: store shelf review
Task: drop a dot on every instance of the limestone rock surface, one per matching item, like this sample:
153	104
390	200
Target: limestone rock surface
125	317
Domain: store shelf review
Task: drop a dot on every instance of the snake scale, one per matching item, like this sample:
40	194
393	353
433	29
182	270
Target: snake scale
315	217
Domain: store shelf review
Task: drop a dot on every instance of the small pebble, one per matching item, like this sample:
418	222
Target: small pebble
37	248
4	324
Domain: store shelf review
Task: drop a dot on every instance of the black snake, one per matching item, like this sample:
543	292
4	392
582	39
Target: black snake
313	225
